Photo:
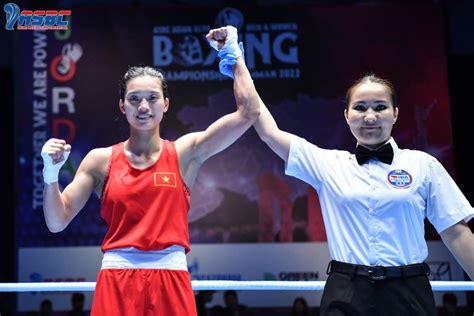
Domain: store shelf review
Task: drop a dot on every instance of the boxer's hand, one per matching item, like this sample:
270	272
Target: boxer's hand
224	40
54	153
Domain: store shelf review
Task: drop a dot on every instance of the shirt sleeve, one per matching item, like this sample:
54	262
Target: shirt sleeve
306	162
446	204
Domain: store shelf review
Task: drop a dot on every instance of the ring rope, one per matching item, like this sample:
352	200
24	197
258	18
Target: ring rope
217	285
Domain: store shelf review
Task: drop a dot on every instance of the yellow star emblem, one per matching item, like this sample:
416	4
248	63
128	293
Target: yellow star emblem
164	179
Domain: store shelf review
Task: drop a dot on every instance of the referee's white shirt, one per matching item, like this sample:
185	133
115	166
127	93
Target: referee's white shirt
374	213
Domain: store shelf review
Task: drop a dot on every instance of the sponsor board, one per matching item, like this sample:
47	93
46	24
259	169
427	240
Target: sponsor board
241	262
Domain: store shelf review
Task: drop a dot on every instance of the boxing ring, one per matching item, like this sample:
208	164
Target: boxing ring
216	285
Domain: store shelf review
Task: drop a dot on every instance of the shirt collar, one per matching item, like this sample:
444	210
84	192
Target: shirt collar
392	142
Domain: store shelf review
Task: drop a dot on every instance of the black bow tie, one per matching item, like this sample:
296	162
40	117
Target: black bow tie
383	154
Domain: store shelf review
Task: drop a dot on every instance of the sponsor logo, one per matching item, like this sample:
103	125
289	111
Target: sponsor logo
440	271
292	276
38	277
193	269
63	67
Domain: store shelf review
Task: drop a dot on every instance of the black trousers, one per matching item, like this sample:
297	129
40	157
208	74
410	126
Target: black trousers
346	294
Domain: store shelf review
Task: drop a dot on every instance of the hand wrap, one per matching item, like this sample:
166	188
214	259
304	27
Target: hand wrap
229	53
50	169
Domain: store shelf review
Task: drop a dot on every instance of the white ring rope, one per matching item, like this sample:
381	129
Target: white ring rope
217	285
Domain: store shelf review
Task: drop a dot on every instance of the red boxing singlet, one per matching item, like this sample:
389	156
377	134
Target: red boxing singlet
145	209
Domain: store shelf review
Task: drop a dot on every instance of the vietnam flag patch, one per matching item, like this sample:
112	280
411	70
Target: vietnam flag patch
165	179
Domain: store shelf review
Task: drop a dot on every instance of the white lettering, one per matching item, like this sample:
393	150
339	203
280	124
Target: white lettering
162	47
292	56
262	46
63	95
39	116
